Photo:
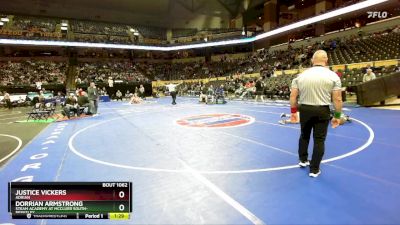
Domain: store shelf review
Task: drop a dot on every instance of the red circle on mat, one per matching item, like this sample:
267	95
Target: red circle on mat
216	120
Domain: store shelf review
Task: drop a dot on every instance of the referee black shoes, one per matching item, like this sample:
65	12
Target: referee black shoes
303	164
314	174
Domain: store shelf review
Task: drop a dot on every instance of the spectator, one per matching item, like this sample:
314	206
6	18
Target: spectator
83	101
93	95
203	95
118	95
220	94
397	68
110	82
42	99
7	99
71	106
141	91
259	89
128	95
369	76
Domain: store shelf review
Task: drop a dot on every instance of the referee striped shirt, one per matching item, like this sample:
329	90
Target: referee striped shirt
315	86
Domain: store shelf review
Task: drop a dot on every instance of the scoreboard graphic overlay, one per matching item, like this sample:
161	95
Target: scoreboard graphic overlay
70	200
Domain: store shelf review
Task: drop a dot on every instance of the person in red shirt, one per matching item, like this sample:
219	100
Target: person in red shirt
339	73
249	87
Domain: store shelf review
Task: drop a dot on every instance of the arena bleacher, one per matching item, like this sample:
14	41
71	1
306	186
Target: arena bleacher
204	108
370	47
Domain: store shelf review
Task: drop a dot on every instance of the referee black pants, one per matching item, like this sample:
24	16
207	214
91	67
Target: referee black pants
173	95
315	118
8	103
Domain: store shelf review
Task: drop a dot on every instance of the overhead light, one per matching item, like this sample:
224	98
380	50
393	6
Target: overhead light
1	23
64	24
122	46
243	33
259	17
136	33
64	28
5	19
132	30
321	17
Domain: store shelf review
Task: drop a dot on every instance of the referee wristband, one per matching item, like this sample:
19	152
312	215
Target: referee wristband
337	115
293	109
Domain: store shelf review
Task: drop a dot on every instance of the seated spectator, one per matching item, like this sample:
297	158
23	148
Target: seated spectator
220	94
103	91
71	106
369	76
41	97
397	69
128	95
203	95
211	93
118	95
83	102
240	89
269	92
59	98
32	73
249	89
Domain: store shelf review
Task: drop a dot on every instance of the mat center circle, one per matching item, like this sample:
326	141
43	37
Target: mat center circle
216	120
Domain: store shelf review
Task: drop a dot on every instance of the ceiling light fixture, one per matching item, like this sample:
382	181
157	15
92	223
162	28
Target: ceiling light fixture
325	16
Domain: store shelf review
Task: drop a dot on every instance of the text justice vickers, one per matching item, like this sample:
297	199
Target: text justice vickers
41	192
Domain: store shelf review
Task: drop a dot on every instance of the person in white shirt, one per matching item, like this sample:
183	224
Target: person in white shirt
110	82
118	95
397	69
172	90
312	93
7	99
39	85
141	91
369	76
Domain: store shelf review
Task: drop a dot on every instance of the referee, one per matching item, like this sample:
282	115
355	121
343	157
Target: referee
172	90
315	88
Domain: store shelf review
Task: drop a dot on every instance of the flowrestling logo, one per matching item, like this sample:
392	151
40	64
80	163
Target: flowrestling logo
220	120
377	14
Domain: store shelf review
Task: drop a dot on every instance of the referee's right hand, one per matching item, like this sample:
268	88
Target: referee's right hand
335	122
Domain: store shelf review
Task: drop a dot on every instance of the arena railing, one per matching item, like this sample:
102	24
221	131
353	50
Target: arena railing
380	63
378	90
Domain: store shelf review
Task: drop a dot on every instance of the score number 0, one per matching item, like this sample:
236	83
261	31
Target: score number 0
121	194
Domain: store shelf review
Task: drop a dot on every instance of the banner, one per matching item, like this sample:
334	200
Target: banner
27	33
386	63
338	67
359	65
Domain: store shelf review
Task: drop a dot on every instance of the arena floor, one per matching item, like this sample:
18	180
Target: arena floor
220	164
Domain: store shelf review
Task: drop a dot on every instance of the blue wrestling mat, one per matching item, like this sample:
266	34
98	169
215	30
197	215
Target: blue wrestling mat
220	164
